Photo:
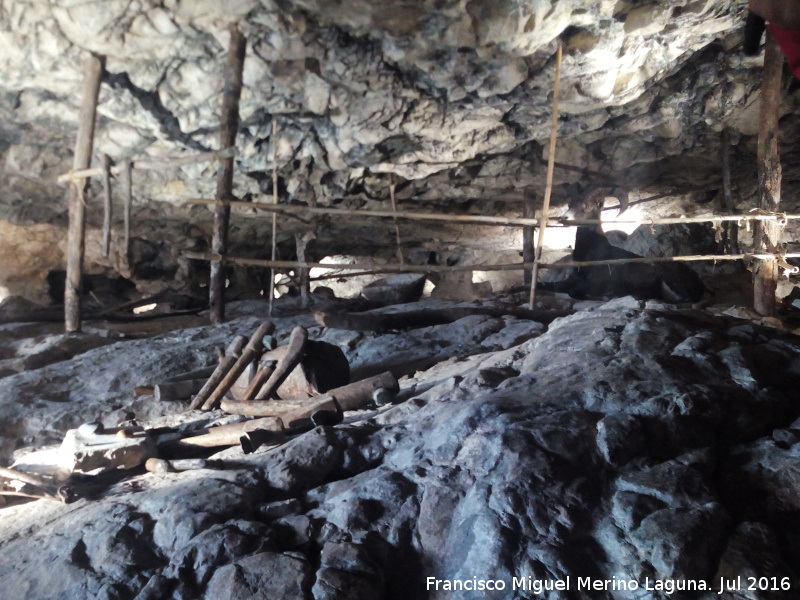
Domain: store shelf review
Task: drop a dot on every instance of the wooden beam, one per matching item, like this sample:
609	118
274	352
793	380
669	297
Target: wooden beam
308	211
359	268
93	72
229	126
766	235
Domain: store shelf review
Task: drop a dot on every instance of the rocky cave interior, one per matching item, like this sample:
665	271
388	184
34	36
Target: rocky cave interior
618	439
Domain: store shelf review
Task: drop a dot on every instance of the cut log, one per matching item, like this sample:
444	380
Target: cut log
291	412
225	365
250	353
353	396
229	435
292	358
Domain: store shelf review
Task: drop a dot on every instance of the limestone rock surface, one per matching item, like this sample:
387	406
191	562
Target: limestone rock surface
630	441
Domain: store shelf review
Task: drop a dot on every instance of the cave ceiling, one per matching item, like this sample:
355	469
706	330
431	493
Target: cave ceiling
450	100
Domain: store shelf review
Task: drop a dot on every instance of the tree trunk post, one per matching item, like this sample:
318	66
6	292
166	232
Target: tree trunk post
93	73
766	234
229	126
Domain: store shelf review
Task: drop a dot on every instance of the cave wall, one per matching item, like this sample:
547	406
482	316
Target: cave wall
450	98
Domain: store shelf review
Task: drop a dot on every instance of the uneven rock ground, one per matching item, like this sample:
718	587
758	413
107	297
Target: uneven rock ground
629	441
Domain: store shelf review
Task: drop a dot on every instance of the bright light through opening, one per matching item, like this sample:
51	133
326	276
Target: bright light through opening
4	293
145	308
632	217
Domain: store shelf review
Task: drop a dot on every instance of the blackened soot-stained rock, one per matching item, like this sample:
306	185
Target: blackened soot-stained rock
633	442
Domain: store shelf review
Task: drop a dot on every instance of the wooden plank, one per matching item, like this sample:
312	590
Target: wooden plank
93	72
229	126
766	235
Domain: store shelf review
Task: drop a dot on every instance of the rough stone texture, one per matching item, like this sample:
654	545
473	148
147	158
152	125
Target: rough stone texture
452	98
629	440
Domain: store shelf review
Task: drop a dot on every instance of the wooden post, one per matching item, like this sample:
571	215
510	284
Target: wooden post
301	242
766	235
730	239
549	186
398	239
229	126
77	213
127	203
528	212
274	215
106	205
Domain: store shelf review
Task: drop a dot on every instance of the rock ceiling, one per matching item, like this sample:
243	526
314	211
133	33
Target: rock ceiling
449	99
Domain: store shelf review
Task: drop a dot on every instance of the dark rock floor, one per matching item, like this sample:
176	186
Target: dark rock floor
627	445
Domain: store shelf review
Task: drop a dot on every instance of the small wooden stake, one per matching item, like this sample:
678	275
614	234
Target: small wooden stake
766	235
548	190
399	240
229	126
126	208
77	213
106	204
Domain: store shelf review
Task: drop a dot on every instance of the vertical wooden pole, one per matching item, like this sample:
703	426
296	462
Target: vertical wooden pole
397	237
106	204
274	215
528	212
229	126
730	238
127	202
77	213
766	234
301	242
548	190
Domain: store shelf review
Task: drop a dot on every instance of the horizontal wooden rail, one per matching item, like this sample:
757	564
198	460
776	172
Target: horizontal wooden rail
483	219
396	268
152	165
